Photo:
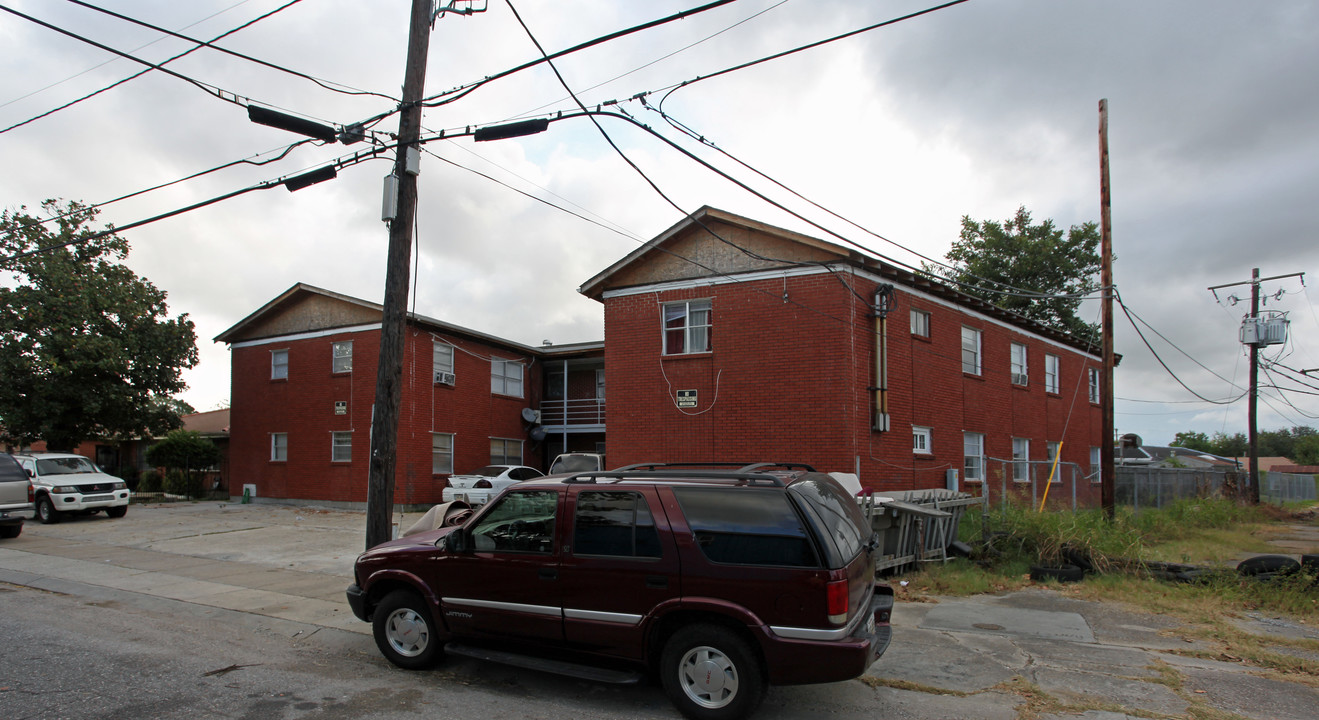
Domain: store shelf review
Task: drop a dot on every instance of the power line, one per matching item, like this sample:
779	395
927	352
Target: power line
209	43
1160	359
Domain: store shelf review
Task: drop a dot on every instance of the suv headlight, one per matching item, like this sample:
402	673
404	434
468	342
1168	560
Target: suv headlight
120	486
65	489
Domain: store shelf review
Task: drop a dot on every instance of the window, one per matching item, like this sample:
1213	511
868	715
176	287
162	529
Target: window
920	440
343	357
1095	467
442	362
1094	385
920	323
505	377
1021	459
741	526
1052	449
505	452
341	447
554	385
687	327
615	523
1051	373
1019	373
973	453
441	453
532	512
279	364
970	351
279	447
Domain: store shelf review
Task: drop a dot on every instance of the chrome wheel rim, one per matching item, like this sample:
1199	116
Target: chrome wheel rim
708	677
407	632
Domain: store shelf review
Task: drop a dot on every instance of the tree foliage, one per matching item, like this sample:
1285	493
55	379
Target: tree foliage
1299	444
86	346
185	454
990	259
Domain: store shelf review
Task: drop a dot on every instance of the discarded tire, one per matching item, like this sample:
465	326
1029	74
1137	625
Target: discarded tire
1270	564
1310	563
1079	558
960	549
1062	573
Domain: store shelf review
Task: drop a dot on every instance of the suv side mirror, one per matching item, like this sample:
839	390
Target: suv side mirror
456	541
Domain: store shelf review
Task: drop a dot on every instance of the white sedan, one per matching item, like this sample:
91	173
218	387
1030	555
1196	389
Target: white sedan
476	488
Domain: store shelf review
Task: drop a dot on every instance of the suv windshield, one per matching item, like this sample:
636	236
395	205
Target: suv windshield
64	466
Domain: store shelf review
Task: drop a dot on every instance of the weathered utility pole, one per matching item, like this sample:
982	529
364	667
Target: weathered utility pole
1107	480
389	374
1255	340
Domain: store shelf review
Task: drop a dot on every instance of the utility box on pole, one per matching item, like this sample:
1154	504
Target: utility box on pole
1261	331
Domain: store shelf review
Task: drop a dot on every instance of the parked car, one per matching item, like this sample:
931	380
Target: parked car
15	497
476	488
720	582
577	462
64	483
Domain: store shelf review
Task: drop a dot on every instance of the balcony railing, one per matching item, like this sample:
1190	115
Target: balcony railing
566	413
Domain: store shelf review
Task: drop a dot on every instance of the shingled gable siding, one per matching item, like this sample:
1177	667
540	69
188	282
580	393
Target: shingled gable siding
303	406
787	381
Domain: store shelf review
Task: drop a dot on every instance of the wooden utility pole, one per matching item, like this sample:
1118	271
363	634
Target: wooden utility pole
1107	479
389	375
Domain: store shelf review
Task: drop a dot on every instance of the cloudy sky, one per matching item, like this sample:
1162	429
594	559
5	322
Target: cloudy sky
971	110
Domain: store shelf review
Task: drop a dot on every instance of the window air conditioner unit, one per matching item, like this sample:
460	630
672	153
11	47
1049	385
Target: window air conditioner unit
444	378
1019	378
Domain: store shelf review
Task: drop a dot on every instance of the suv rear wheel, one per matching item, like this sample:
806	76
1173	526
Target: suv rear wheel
46	511
711	673
405	632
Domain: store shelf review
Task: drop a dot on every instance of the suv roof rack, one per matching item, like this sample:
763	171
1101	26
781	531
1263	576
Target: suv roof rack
693	472
742	467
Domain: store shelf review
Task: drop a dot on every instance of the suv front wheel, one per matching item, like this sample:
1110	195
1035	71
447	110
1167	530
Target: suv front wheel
46	511
710	673
404	631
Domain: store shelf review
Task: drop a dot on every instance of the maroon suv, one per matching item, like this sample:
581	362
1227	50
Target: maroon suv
720	581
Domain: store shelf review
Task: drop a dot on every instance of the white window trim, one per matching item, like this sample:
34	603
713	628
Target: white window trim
335	445
920	321
1019	367
335	356
506	460
1052	373
1096	466
979	345
922	440
435	451
980	457
1094	386
1050	450
503	377
1021	462
276	446
688	329
284	353
442	371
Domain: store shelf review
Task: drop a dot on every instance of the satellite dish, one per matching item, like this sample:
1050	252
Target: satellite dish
530	415
537	434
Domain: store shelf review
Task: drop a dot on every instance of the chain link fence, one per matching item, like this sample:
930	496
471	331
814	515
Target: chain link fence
1277	487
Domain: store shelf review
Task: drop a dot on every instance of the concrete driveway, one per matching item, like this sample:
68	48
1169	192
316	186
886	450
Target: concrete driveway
1033	653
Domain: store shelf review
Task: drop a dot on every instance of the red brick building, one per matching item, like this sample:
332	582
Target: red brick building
729	339
726	339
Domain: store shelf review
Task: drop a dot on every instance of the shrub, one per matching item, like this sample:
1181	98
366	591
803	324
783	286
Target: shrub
178	482
148	481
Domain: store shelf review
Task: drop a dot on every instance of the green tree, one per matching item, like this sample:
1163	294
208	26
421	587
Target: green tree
187	453
1235	445
86	346
1192	440
990	259
1306	450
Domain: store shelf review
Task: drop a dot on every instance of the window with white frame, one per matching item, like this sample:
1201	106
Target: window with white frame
441	453
1020	374
505	452
1095	467
341	446
506	377
343	357
920	323
279	447
687	327
921	440
973	457
1051	373
1094	385
1020	459
442	362
279	364
970	350
1055	467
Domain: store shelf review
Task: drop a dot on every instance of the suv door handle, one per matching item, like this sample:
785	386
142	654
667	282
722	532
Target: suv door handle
657	582
548	573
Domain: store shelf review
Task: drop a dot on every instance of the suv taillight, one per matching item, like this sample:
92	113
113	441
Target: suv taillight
836	601
31	493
